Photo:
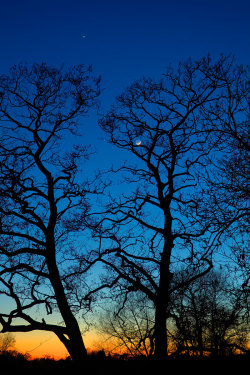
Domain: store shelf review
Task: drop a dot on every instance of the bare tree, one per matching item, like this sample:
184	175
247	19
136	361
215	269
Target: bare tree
230	181
41	197
210	317
167	218
7	341
128	329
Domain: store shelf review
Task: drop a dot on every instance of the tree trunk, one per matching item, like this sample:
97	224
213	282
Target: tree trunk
162	301
74	343
160	331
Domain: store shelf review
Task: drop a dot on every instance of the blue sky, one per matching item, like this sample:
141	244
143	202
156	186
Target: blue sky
124	39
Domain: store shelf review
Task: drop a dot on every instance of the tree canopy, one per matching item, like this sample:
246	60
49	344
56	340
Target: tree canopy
180	210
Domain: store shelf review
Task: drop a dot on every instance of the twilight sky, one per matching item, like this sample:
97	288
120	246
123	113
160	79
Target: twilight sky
124	40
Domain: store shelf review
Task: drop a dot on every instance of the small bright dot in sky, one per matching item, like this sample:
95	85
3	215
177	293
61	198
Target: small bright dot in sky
84	36
138	142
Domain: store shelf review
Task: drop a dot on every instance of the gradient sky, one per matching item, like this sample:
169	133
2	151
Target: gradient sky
124	40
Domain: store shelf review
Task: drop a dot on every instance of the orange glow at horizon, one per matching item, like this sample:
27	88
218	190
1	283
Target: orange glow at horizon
40	344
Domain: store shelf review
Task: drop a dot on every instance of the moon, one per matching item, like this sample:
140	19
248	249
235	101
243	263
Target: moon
138	142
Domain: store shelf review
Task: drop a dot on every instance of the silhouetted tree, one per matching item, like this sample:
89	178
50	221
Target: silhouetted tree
7	341
168	219
210	317
229	184
128	329
41	197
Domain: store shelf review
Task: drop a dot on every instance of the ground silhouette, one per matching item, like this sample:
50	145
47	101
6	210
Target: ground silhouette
12	362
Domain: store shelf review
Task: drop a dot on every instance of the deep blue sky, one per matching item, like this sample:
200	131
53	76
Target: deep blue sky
124	39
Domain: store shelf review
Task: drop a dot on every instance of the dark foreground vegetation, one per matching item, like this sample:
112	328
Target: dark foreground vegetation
13	362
